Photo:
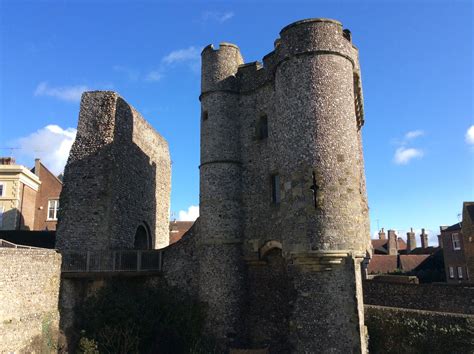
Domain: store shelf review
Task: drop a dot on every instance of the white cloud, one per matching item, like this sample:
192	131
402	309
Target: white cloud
190	215
182	55
217	16
414	134
470	135
65	93
190	57
403	155
51	144
154	75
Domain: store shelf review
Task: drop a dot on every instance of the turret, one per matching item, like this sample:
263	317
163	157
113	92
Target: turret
220	192
324	228
219	67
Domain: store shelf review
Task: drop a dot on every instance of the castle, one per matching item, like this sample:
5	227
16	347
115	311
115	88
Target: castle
276	253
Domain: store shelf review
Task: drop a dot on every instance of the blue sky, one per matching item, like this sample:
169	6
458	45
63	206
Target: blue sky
416	58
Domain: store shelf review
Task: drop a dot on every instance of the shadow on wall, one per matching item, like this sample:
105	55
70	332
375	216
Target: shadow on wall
13	219
109	192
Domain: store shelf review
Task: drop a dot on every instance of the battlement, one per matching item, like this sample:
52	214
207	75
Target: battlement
223	69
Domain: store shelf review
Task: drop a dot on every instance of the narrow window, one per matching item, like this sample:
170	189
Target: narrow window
459	272
205	115
262	127
451	272
276	196
456	242
1	216
2	189
53	207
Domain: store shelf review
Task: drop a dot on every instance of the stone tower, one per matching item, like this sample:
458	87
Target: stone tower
116	191
221	190
283	198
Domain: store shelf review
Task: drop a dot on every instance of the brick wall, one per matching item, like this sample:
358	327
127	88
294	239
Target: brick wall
29	292
50	188
432	297
27	207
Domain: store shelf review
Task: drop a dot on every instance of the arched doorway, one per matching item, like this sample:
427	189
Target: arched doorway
142	238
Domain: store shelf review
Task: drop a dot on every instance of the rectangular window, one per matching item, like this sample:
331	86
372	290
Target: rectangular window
1	216
276	195
451	272
459	272
53	207
2	189
262	128
456	242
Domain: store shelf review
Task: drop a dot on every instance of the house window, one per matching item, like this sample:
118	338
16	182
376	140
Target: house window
276	195
53	207
456	242
451	272
262	128
459	272
2	189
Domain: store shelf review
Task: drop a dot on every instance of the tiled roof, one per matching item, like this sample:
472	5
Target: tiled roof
382	264
178	229
381	245
456	226
411	261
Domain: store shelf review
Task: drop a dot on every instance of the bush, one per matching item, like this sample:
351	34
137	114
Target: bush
134	317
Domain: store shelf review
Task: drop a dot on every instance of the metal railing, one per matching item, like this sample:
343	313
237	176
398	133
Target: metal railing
111	261
8	244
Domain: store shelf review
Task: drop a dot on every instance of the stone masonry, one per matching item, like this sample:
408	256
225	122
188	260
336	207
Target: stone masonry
282	168
117	180
29	292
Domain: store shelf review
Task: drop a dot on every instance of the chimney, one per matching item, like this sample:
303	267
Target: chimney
392	243
37	167
424	239
7	160
440	241
382	235
411	241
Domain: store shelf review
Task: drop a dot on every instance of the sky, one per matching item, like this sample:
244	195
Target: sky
417	74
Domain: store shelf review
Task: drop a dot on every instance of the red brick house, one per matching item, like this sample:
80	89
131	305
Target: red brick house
178	229
47	198
453	249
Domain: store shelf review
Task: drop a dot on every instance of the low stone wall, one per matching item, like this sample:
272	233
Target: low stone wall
432	297
396	330
29	292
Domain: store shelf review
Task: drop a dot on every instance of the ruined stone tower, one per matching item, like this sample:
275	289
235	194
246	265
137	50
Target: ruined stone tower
282	192
117	180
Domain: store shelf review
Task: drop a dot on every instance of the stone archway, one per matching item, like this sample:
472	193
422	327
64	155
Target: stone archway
142	239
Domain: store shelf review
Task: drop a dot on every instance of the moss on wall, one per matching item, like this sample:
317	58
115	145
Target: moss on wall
395	330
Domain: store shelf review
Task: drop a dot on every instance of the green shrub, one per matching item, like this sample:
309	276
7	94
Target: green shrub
133	317
400	332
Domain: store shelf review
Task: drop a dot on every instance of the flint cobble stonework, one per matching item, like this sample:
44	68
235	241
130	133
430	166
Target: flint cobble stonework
117	179
29	293
282	162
